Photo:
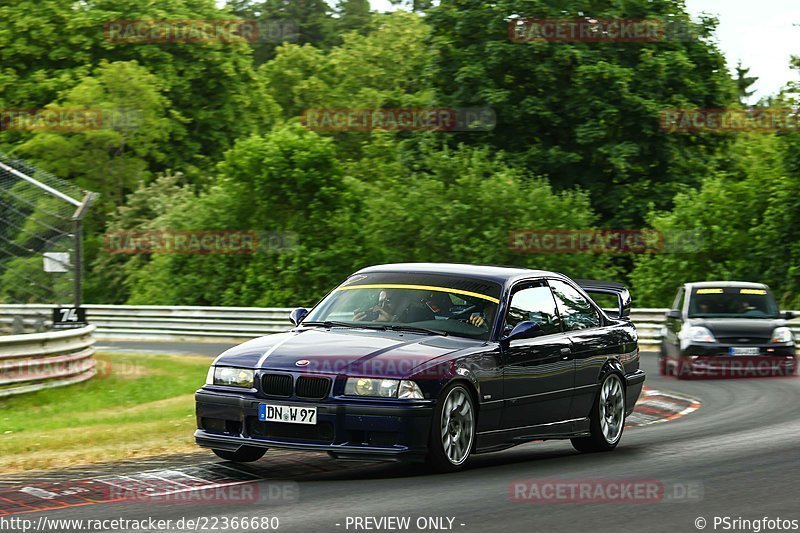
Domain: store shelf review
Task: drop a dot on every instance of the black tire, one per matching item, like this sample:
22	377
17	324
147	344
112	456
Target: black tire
245	454
599	440
460	425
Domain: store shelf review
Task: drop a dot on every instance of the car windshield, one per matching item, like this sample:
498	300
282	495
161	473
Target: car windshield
448	305
732	302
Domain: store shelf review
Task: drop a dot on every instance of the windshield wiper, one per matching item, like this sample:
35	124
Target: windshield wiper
336	324
380	327
416	329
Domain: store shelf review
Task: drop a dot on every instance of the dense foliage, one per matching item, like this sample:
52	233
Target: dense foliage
219	144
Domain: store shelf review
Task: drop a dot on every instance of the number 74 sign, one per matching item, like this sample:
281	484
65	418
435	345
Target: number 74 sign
69	317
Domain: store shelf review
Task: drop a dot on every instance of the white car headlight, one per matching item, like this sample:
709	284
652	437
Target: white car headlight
700	334
782	335
233	377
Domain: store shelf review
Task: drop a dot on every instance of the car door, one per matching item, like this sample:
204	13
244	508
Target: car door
592	342
537	372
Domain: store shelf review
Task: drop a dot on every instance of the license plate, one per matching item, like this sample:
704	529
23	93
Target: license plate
292	414
743	350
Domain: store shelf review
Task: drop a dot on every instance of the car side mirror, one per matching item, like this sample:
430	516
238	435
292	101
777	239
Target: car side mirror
523	330
789	315
298	315
674	313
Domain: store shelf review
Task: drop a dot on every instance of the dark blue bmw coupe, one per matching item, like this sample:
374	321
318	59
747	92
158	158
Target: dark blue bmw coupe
430	362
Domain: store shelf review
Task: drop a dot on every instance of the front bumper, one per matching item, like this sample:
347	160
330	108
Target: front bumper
357	429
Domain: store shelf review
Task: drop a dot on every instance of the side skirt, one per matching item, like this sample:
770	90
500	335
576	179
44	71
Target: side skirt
500	439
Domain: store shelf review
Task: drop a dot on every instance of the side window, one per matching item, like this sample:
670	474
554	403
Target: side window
678	303
576	311
534	303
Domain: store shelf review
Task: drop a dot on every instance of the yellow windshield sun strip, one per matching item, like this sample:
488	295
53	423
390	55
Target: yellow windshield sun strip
421	287
752	291
709	291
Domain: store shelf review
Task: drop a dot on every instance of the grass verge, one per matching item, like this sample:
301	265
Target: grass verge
137	406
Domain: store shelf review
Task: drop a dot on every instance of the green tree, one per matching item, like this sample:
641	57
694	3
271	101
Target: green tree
737	240
354	15
296	21
114	154
584	113
47	48
744	82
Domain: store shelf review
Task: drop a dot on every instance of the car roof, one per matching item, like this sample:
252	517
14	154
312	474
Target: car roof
499	274
709	284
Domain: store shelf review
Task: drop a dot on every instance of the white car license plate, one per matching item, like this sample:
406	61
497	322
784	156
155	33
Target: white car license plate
292	414
743	350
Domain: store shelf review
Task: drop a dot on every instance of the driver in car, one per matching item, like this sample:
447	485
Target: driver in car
440	304
382	312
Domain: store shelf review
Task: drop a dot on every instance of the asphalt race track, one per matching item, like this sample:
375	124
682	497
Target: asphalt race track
737	456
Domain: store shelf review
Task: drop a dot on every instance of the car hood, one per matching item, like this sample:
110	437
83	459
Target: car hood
343	351
739	327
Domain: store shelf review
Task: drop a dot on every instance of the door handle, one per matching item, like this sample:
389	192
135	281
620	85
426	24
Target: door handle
565	352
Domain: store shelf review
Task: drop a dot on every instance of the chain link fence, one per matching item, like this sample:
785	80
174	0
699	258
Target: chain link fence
40	241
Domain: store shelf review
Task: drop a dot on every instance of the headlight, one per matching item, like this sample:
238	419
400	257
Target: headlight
377	388
233	377
782	335
382	388
700	334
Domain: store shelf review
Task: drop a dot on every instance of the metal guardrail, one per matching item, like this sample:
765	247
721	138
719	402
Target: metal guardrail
155	322
37	361
195	323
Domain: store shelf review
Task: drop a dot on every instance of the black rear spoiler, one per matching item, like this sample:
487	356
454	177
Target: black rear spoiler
609	287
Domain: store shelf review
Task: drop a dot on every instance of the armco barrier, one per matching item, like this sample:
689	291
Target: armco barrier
36	361
227	324
156	322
